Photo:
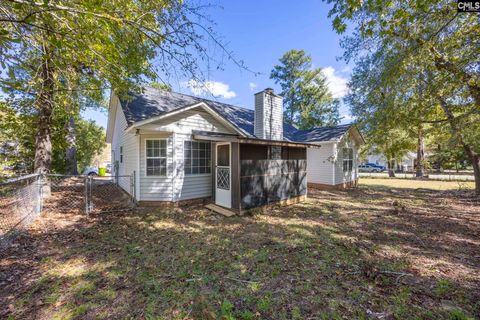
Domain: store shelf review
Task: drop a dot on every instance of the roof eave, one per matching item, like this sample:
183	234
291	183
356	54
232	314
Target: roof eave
360	138
325	141
225	137
112	114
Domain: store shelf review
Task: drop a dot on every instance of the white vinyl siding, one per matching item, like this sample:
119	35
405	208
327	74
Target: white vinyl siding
176	185
325	165
129	145
185	122
320	164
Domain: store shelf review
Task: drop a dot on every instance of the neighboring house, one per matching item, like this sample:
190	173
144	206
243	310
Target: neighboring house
405	163
181	147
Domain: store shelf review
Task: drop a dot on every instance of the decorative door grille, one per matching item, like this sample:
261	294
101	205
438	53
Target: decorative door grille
223	178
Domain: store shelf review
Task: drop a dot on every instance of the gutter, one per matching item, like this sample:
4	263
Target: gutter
227	137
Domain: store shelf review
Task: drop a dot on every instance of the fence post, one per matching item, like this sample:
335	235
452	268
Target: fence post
40	193
91	182
86	194
116	174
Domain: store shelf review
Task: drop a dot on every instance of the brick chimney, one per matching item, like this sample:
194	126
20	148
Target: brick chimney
268	122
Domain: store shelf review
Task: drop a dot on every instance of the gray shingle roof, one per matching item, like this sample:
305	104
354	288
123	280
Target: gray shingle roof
155	102
322	134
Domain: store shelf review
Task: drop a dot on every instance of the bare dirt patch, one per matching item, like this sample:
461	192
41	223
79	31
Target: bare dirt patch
366	253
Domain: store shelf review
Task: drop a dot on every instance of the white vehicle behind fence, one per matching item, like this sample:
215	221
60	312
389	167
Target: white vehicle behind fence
91	171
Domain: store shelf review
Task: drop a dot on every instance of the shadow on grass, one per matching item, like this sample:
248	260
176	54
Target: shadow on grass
341	254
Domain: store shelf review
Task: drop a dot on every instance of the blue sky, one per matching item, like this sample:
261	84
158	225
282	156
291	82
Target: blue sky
259	33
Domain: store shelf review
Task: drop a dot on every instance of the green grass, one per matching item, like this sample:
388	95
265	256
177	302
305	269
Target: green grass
366	253
417	184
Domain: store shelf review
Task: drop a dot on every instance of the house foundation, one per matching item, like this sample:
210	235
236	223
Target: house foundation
340	186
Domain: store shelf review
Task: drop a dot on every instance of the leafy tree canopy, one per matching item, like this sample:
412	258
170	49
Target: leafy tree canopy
59	54
17	139
307	100
415	63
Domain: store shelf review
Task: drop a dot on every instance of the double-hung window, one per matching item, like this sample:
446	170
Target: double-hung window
197	156
121	154
156	157
347	159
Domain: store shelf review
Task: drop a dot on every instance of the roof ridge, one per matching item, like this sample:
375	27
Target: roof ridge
327	127
151	102
196	97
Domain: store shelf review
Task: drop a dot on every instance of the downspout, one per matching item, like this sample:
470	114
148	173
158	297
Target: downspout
335	162
174	168
138	176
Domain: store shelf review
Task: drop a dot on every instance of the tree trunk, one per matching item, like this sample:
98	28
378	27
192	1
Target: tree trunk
474	88
71	153
476	166
469	151
420	170
44	104
391	168
440	160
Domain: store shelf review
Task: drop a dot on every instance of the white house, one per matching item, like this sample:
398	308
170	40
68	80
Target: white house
181	147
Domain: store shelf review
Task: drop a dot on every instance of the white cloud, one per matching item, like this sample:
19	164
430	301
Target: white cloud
346	69
336	83
215	88
346	118
252	86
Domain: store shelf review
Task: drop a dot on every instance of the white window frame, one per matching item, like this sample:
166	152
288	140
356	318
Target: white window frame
191	159
349	160
159	157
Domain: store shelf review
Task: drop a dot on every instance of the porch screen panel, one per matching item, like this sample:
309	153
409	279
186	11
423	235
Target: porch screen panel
267	181
223	155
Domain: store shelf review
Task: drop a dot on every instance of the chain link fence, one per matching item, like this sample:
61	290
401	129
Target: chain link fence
65	193
119	190
20	205
23	199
